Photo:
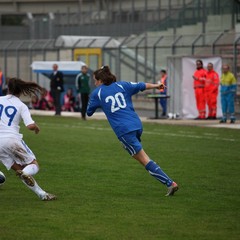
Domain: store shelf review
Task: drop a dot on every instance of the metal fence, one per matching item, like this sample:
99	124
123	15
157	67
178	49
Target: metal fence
131	58
134	58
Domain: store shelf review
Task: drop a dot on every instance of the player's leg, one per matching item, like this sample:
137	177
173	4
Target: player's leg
155	171
131	143
23	162
27	179
25	174
153	168
32	168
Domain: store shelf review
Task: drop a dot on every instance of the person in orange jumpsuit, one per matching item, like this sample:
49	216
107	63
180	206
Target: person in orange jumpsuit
199	77
163	101
211	91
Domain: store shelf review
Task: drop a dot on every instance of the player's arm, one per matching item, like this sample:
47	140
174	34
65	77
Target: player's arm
91	108
93	104
27	119
33	127
155	86
134	88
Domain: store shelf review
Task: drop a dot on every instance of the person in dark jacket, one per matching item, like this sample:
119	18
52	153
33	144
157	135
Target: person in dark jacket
56	86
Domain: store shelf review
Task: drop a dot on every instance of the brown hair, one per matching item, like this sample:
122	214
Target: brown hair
17	87
199	61
105	75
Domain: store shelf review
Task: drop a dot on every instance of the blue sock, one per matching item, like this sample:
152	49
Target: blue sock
157	172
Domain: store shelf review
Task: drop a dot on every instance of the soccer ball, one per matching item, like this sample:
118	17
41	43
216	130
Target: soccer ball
173	115
2	178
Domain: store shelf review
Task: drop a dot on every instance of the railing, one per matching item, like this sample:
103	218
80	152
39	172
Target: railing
144	56
194	12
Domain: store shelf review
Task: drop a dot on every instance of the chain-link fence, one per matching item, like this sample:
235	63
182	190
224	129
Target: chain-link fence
130	58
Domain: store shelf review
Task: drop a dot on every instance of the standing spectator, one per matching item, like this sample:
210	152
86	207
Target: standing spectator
56	86
228	91
199	77
1	82
211	91
82	85
69	101
163	91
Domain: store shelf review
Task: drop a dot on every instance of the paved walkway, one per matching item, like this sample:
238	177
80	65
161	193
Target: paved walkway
144	118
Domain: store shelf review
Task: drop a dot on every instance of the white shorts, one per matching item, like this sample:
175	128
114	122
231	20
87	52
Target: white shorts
15	151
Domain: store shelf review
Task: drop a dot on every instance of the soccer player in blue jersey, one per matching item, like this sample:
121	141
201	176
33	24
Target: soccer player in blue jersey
114	98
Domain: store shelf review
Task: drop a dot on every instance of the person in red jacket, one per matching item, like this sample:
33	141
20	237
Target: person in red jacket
199	77
211	91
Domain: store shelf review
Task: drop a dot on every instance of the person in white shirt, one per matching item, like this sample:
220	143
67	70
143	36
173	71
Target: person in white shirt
14	153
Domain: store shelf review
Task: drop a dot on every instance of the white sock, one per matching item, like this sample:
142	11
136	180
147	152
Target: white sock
36	189
31	169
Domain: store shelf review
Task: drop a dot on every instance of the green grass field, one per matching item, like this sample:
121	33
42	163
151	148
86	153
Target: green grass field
104	194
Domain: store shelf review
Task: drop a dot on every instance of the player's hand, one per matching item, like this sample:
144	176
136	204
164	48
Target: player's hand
37	129
34	127
161	86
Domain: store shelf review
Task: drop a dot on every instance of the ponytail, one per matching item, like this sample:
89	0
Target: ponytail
18	87
105	75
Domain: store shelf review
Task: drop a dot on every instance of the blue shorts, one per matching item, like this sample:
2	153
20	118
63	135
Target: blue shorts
131	141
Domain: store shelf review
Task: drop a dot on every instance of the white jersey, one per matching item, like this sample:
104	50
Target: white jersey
12	111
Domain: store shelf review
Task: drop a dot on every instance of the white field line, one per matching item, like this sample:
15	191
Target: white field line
190	136
186	135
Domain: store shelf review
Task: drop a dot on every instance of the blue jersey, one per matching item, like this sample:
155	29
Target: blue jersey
116	102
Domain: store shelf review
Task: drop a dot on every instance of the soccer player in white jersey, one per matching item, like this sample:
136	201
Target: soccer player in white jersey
14	153
114	98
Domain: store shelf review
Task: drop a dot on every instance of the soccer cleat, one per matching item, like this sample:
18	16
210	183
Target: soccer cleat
172	189
49	197
26	178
